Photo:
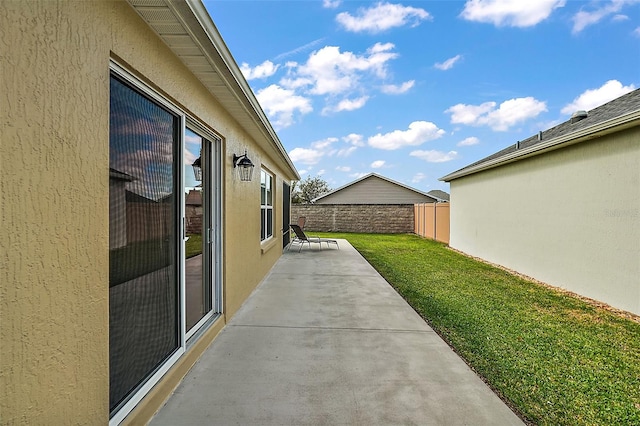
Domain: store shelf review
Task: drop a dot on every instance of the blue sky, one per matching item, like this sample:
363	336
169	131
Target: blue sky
414	90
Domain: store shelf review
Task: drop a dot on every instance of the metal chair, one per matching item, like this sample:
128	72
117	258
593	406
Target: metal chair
302	238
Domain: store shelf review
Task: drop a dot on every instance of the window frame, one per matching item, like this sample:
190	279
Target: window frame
214	205
266	205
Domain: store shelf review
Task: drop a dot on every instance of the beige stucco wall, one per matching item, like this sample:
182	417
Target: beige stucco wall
570	218
54	240
54	355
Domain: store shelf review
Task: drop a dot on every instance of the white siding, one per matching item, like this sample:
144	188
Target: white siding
570	218
374	190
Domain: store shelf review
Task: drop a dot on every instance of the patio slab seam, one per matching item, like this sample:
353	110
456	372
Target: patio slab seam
303	327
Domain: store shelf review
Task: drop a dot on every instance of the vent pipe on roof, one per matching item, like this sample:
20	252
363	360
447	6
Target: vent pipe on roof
540	135
517	144
578	115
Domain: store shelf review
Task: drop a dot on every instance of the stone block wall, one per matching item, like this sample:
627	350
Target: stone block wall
369	218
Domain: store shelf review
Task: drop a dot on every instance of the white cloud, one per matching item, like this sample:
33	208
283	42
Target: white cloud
394	89
512	112
636	32
468	114
331	4
193	139
344	79
508	114
418	133
324	143
381	17
298	49
189	157
448	64
313	154
281	104
358	175
346	105
265	69
583	19
595	97
343	168
514	13
418	177
354	139
307	156
379	55
377	164
620	18
329	71
321	172
469	141
435	156
345	152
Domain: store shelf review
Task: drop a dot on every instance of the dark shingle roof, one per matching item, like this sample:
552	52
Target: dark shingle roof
625	104
439	194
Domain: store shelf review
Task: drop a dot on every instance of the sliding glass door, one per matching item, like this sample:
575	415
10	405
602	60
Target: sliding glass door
144	327
201	228
164	237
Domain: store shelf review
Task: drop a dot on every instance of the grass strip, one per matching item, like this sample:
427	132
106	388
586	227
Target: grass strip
555	359
193	246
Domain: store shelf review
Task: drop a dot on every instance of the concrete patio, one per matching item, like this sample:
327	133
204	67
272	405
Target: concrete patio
325	340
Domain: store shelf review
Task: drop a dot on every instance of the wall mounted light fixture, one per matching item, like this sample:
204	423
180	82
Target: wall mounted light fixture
244	165
197	169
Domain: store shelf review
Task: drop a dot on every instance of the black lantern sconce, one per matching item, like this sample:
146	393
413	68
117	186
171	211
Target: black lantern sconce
197	169
244	166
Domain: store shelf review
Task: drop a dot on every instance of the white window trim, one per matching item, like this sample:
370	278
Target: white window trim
267	206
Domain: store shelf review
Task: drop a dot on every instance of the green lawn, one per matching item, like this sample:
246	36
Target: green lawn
193	246
555	359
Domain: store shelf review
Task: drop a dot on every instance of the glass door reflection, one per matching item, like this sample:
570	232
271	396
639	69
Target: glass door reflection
198	232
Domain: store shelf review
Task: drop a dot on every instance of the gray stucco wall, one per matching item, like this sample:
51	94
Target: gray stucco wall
378	219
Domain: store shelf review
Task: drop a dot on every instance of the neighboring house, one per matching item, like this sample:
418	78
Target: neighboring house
105	106
439	194
118	208
372	203
193	212
375	189
539	206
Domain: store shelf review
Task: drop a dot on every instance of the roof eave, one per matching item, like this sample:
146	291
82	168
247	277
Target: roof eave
616	124
234	94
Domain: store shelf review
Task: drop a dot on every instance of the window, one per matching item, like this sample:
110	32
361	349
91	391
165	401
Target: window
266	205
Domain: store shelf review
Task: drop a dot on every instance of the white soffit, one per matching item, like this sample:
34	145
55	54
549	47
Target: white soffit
185	26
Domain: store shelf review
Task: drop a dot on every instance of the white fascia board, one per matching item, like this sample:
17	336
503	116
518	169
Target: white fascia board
595	131
189	13
203	17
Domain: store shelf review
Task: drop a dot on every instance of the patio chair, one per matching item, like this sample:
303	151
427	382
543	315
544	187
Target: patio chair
302	238
301	221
